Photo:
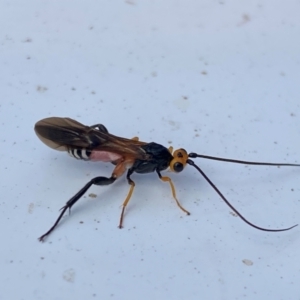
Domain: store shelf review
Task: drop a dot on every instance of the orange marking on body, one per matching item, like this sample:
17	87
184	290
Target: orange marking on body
122	166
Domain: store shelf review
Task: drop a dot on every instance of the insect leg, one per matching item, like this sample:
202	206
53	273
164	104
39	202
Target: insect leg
132	185
168	179
96	181
100	127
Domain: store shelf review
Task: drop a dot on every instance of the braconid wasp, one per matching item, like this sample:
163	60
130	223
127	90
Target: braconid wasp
128	155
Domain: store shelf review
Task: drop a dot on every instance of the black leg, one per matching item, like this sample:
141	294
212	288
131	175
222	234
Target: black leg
96	181
100	127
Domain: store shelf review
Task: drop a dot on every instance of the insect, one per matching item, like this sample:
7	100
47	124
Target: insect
94	143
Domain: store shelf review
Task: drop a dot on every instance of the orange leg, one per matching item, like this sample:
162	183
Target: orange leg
168	179
132	185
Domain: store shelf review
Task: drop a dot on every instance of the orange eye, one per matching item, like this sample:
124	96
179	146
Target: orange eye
179	161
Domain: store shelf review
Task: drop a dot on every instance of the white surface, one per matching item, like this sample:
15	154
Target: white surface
217	78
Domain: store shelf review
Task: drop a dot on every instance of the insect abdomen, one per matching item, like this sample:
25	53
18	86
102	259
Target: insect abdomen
94	155
80	153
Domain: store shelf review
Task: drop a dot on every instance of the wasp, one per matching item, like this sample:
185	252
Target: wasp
95	143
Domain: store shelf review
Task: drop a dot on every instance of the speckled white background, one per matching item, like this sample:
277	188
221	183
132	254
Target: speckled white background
215	77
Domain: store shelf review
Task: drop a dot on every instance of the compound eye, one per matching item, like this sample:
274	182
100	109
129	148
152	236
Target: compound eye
178	167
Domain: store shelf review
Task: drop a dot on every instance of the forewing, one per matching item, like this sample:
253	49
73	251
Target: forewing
62	133
122	146
65	133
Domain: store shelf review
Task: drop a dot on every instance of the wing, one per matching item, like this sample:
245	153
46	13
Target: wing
63	134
